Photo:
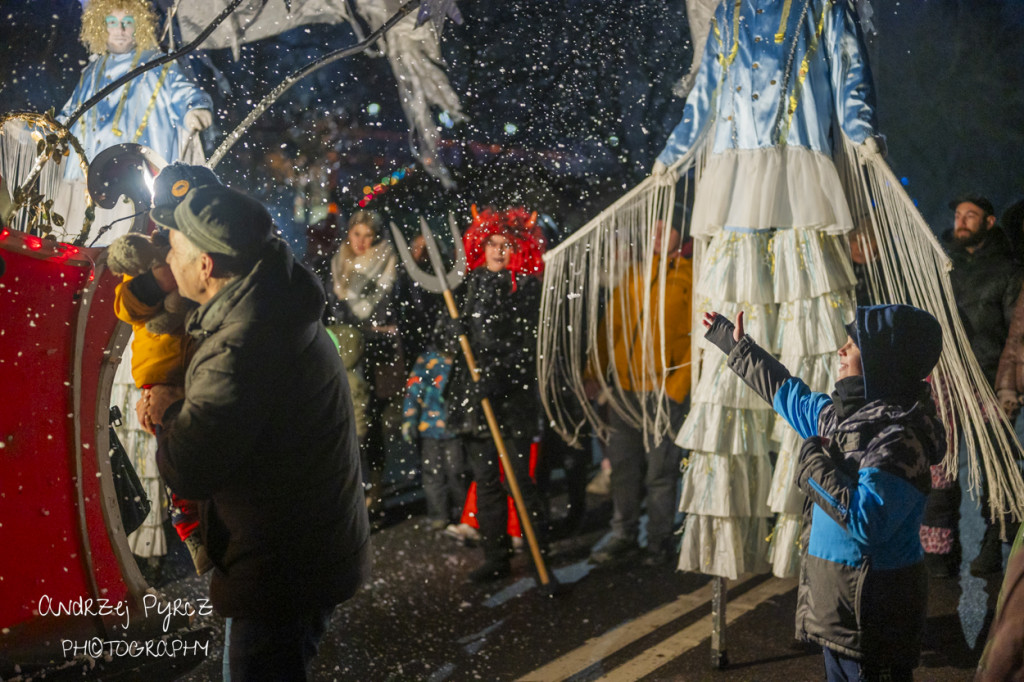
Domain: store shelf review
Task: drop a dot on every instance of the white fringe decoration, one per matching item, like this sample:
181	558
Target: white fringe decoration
911	267
581	274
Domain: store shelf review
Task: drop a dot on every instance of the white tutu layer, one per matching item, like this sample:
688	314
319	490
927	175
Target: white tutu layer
726	486
774	221
727	548
813	327
765	188
737	266
784	549
774	266
727	430
785	497
792	330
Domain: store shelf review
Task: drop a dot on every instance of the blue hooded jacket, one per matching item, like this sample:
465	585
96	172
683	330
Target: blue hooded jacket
865	466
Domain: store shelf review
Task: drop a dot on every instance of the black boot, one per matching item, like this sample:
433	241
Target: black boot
491	570
497	559
990	556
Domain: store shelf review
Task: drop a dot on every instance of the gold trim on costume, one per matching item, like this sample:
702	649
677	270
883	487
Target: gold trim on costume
152	101
804	68
124	92
727	60
780	35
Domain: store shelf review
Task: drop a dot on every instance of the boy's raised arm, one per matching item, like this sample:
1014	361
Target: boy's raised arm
788	395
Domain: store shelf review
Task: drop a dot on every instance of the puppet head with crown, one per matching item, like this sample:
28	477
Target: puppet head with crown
524	239
118	26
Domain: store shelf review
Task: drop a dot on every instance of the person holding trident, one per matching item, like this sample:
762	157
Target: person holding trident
497	396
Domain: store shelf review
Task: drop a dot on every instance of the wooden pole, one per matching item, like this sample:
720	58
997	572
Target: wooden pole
499	443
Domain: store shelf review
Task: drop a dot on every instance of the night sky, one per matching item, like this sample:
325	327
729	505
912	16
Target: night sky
569	102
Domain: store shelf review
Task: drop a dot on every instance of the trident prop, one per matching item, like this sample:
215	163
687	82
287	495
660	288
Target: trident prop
442	283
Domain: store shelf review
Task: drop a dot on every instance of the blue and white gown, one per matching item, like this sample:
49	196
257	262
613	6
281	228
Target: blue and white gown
149	110
770	217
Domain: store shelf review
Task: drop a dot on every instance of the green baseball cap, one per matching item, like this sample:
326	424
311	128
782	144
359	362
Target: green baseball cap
218	219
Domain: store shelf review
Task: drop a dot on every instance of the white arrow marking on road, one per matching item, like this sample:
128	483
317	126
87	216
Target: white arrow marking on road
599	648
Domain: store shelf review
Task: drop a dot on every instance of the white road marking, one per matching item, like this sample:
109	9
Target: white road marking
599	648
691	636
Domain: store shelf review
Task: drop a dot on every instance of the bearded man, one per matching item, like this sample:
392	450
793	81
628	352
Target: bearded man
986	281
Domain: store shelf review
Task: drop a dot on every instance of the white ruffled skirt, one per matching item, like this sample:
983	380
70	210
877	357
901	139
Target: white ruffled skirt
795	286
149	539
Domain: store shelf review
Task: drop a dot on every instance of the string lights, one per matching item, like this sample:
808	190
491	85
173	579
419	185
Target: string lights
386	182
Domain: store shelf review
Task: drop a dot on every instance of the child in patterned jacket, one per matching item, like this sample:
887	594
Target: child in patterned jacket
424	420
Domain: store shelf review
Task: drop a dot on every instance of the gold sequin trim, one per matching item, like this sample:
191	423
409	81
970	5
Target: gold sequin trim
780	35
804	69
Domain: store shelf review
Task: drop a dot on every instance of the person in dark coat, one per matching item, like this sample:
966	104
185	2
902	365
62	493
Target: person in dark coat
986	278
263	435
864	467
499	315
986	281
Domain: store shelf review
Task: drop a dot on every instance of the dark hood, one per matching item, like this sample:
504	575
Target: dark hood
899	346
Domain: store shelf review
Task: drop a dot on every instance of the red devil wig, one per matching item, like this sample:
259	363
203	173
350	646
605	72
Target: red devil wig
521	230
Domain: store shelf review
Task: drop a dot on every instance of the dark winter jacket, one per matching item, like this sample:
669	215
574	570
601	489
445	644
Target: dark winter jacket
986	284
265	439
865	466
499	314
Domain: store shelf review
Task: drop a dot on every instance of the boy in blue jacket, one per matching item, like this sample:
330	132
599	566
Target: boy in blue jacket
864	466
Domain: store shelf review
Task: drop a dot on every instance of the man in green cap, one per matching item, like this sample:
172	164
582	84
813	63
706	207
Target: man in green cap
263	435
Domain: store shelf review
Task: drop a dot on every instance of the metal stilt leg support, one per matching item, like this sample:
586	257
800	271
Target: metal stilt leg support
719	659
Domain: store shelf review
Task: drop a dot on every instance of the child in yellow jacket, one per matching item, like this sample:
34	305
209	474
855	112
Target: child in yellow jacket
147	299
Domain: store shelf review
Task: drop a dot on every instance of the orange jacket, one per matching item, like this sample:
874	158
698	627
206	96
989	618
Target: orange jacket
629	315
156	358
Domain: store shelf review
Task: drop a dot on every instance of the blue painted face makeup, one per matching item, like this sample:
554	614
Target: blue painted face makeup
127	23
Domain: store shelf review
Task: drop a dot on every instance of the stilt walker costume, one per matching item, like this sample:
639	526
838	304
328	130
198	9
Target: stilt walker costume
771	214
160	108
779	131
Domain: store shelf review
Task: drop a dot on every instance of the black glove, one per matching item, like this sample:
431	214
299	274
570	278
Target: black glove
720	333
477	391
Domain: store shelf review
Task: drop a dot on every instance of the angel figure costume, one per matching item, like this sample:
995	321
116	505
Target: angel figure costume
149	109
770	217
160	109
